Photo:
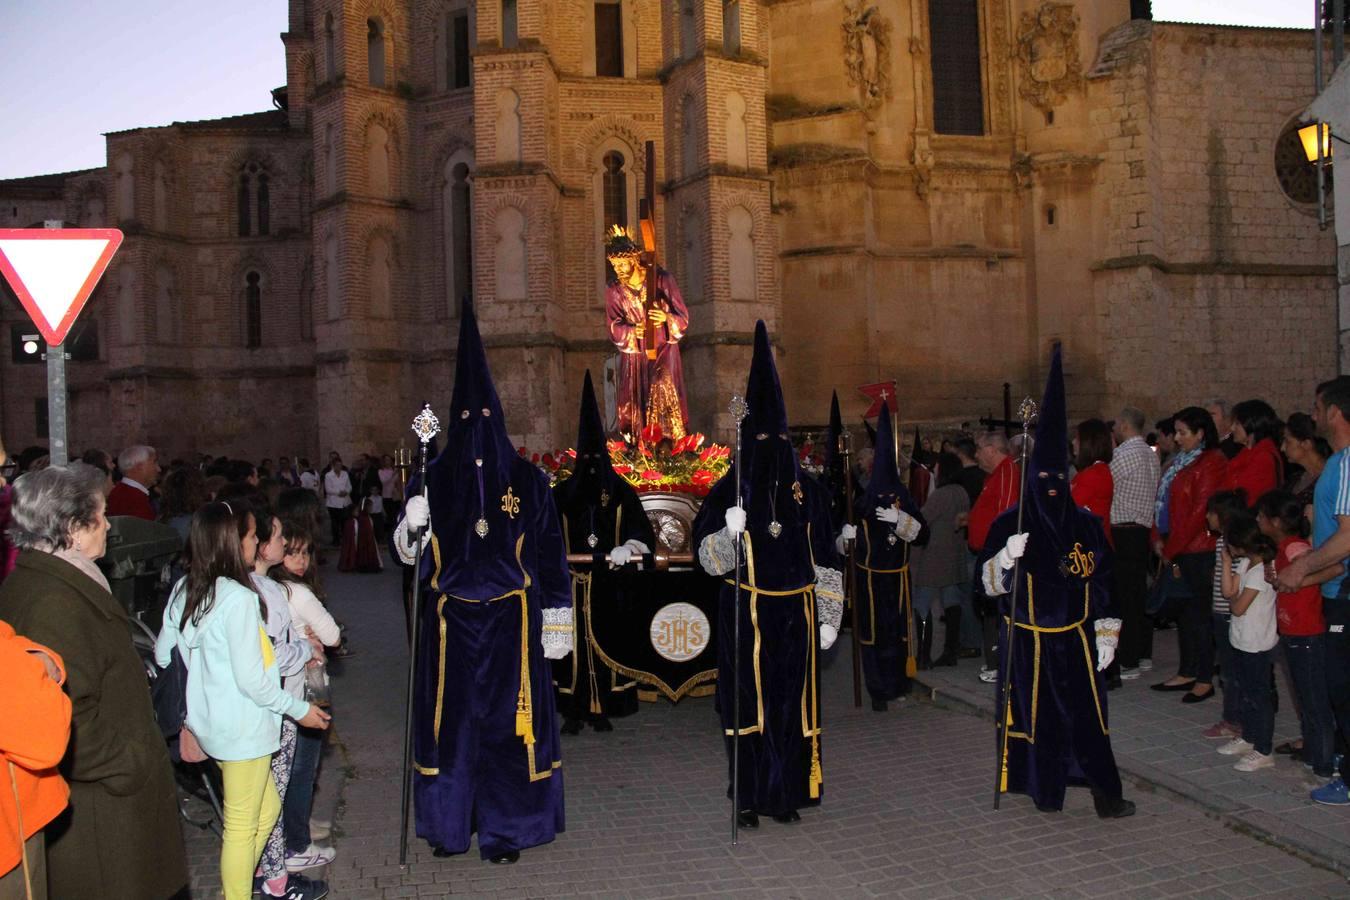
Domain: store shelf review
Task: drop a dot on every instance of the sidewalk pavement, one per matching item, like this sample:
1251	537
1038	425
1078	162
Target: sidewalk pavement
1158	744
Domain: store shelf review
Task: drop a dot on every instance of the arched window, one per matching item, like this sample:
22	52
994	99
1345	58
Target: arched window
741	253
508	126
609	39
126	188
615	186
458	232
164	298
381	275
958	92
253	193
253	310
731	27
738	147
377	160
510	256
688	29
691	256
161	197
510	37
458	67
329	49
688	136
375	52
329	162
126	303
331	276
93	212
307	302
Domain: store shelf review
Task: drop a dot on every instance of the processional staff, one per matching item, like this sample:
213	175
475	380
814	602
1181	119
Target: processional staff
738	410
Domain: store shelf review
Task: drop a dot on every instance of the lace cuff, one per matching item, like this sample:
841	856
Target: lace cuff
994	577
908	528
829	596
1108	632
558	631
717	553
406	546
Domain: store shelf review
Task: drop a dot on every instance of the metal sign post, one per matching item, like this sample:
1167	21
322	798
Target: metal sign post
58	449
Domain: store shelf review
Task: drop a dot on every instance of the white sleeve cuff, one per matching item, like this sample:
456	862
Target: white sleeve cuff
406	546
717	553
995	578
1108	632
908	527
558	638
829	596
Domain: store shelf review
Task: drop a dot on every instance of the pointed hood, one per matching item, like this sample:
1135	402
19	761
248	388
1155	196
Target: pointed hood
765	445
590	427
833	458
1047	488
886	482
593	470
920	476
475	427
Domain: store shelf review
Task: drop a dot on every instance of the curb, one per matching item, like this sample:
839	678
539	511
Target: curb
1154	780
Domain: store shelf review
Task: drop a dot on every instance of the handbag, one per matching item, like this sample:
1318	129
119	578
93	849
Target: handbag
169	696
1167	592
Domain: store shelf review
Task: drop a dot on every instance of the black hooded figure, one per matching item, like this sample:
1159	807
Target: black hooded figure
601	514
485	733
888	522
790	604
833	474
1066	628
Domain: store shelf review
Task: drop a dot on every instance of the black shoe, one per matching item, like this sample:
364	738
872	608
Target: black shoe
603	724
788	818
878	705
1113	683
1165	687
571	726
298	887
442	853
1118	808
1048	809
747	818
510	857
1198	698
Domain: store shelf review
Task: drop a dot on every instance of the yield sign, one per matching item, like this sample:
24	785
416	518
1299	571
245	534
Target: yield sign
54	270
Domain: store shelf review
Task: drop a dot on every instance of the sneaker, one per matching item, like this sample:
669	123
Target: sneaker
311	857
1255	761
988	675
298	887
1236	747
1128	673
1333	793
1222	729
1145	665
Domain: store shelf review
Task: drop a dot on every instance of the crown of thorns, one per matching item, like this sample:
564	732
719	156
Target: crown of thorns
619	243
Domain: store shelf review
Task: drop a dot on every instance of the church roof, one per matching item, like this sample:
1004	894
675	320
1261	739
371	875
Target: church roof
52	182
267	120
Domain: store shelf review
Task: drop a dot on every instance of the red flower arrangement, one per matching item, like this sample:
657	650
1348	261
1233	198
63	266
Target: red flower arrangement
654	463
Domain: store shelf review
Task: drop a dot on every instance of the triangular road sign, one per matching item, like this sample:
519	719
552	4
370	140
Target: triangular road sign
54	270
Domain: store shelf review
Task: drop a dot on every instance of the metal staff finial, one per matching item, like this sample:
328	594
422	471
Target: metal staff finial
1028	411
737	408
425	425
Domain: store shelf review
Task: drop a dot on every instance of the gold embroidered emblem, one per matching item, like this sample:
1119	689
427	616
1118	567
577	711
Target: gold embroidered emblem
510	503
797	492
1080	563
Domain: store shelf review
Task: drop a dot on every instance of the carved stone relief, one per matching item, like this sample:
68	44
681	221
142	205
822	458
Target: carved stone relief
867	52
1047	45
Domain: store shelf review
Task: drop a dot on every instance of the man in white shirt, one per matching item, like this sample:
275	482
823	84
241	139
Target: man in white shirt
1134	472
337	492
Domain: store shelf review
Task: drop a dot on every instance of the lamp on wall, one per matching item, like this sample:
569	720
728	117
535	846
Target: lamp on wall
1308	135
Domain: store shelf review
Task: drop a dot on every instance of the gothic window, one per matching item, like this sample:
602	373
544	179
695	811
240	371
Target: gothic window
958	91
688	29
329	162
457	66
615	185
307	302
93	212
377	160
738	148
329	49
741	253
510	256
688	136
126	188
510	38
253	192
161	197
691	253
126	303
331	276
731	27
609	39
253	310
458	233
381	278
375	61
164	297
508	126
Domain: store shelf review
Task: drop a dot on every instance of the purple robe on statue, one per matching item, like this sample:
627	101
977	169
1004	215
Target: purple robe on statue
649	390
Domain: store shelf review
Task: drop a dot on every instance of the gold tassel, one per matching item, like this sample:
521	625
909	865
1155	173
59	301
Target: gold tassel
524	721
817	777
1003	775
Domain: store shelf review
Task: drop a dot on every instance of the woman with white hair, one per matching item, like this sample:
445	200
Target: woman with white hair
120	838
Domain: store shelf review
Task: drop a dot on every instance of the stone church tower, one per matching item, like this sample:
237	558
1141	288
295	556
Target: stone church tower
928	190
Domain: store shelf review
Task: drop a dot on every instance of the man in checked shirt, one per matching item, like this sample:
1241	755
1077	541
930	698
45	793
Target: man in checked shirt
1134	470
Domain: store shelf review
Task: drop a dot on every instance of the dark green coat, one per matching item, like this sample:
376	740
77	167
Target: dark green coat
120	838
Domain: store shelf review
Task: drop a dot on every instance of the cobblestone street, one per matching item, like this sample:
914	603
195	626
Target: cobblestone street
907	809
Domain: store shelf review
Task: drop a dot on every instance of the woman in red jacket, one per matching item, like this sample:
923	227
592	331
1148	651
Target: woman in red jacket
1093	486
1258	467
1189	549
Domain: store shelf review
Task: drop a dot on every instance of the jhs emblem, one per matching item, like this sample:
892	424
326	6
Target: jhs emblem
1078	563
680	632
510	503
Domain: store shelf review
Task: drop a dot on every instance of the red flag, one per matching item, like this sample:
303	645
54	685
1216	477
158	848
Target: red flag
881	393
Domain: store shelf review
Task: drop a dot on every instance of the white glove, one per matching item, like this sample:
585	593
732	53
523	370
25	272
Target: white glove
1108	635
417	513
556	651
735	521
1105	653
888	514
1012	551
619	556
828	635
848	532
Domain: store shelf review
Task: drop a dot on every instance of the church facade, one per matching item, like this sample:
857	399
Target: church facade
927	190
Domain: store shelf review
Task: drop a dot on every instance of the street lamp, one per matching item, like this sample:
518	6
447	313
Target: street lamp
1308	135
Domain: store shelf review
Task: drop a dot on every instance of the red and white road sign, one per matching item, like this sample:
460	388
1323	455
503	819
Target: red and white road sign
54	270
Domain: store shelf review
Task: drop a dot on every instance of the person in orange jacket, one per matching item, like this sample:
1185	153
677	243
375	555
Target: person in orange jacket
34	731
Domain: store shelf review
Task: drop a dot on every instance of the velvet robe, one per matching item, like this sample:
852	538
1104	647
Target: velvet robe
780	716
885	602
485	739
1059	734
608	508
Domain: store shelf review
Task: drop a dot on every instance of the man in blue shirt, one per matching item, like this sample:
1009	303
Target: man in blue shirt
1331	549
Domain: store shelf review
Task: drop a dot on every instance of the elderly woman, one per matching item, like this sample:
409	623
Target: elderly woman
120	838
